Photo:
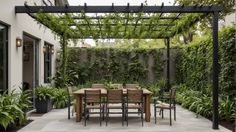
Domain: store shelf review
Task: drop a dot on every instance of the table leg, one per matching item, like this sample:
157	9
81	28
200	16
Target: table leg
78	108
147	108
144	104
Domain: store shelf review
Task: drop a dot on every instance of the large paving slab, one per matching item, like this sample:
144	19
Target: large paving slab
56	121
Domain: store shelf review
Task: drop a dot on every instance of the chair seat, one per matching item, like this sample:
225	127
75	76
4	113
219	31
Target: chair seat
134	106
115	106
164	106
93	107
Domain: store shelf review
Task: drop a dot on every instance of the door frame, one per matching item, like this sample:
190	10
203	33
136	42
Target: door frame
36	43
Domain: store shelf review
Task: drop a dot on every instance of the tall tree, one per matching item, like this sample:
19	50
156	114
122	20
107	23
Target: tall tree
205	24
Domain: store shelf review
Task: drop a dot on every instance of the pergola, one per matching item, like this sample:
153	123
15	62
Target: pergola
130	22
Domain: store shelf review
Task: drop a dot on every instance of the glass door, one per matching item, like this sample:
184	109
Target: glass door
3	58
35	68
30	65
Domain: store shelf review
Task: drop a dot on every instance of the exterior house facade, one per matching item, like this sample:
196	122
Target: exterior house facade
27	57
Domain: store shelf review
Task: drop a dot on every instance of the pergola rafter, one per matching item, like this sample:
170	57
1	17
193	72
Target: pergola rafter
75	27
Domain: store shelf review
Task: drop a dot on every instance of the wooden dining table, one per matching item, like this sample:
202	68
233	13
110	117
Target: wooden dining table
79	94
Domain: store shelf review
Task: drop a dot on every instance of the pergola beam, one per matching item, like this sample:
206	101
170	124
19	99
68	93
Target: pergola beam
117	9
121	37
126	24
144	17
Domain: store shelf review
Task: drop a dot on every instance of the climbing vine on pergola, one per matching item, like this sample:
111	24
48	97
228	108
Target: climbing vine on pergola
127	22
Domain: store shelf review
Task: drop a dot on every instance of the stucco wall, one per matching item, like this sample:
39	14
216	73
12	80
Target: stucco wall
18	24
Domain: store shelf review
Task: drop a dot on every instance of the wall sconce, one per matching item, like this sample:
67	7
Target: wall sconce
52	50
18	42
44	49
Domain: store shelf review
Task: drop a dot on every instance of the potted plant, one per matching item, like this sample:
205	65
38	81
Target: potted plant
44	99
60	98
109	85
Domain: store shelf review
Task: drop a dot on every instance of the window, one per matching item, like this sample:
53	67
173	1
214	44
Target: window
3	57
47	62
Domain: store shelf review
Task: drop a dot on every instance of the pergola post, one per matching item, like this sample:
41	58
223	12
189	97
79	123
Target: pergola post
168	64
215	78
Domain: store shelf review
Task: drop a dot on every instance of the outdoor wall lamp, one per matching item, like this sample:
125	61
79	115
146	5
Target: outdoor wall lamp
18	42
52	50
44	49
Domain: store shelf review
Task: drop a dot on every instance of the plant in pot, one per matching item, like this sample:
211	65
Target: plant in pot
109	85
60	98
44	99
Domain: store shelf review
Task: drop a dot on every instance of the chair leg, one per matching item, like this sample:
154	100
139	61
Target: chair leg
155	115
162	113
103	112
142	116
106	116
170	118
175	113
127	116
123	117
85	116
100	116
69	112
68	105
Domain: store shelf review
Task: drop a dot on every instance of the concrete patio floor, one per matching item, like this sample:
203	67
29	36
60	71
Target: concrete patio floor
56	121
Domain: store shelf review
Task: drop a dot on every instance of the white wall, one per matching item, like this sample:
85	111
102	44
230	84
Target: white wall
228	20
19	23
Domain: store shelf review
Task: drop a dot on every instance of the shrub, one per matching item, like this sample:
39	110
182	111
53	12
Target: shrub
60	98
11	108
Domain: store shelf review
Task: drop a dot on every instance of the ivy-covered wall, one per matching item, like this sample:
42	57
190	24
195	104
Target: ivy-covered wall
116	65
194	71
194	63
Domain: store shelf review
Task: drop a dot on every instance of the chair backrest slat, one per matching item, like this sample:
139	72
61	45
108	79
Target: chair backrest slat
134	96
131	86
92	96
114	96
69	90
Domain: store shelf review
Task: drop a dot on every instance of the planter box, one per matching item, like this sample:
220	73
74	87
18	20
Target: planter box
43	106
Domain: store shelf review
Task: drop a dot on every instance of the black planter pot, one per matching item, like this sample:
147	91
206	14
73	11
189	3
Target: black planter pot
10	127
43	106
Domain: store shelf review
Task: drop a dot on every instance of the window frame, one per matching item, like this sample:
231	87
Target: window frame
47	62
5	57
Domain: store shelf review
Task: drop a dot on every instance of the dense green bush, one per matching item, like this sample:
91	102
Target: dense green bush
201	103
60	98
194	70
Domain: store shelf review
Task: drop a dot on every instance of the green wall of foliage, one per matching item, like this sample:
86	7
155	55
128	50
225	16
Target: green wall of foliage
194	71
113	64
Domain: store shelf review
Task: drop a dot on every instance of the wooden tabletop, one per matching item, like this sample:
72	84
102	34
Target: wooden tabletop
104	91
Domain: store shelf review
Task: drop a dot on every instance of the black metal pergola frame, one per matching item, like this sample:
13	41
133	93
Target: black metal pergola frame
213	10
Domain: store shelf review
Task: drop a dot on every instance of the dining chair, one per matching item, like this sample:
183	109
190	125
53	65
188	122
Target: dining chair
114	101
134	100
167	101
131	86
92	97
98	85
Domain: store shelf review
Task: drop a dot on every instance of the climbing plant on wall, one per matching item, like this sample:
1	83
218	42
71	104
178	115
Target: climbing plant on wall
194	63
117	65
